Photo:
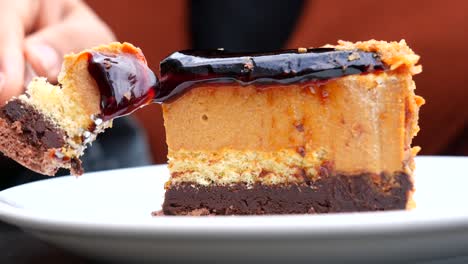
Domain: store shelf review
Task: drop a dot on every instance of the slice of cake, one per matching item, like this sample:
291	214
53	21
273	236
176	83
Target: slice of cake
297	131
49	126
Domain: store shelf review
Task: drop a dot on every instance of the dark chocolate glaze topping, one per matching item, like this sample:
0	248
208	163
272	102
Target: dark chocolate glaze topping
183	69
126	83
124	80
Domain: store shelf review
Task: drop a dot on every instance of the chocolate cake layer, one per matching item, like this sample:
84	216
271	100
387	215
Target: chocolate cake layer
340	193
32	140
35	128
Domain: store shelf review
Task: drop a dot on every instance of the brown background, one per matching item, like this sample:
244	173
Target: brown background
437	30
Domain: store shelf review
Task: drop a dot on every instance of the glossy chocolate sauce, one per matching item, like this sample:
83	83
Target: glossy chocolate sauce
126	83
124	80
183	69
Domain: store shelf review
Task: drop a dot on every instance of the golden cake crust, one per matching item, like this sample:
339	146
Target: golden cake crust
395	54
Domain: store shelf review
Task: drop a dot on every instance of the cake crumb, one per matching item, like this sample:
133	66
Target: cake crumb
86	134
354	56
301	151
248	65
157	213
98	121
199	212
312	89
302	50
299	127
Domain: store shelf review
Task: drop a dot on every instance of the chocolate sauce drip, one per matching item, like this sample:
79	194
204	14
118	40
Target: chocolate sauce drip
124	80
183	69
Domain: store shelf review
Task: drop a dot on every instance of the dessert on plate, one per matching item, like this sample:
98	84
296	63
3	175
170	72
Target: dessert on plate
312	130
49	126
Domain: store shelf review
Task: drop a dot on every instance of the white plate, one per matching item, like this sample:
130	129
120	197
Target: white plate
108	215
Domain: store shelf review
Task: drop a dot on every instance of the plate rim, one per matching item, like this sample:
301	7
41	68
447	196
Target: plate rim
324	225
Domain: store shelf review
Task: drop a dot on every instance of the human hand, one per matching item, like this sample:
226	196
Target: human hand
40	32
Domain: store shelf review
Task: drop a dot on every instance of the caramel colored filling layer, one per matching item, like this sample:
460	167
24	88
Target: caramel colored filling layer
359	123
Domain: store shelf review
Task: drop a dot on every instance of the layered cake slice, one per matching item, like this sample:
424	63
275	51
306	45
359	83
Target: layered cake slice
49	126
297	131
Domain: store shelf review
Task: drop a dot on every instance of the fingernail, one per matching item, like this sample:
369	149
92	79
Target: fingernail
28	74
48	57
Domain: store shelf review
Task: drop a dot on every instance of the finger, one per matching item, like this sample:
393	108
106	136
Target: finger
16	17
11	56
81	29
52	12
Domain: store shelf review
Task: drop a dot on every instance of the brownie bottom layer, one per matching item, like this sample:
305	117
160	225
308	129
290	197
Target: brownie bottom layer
340	193
31	139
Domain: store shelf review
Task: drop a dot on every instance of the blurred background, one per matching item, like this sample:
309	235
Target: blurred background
434	29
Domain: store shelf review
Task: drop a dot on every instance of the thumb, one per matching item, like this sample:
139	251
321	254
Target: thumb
44	58
44	49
